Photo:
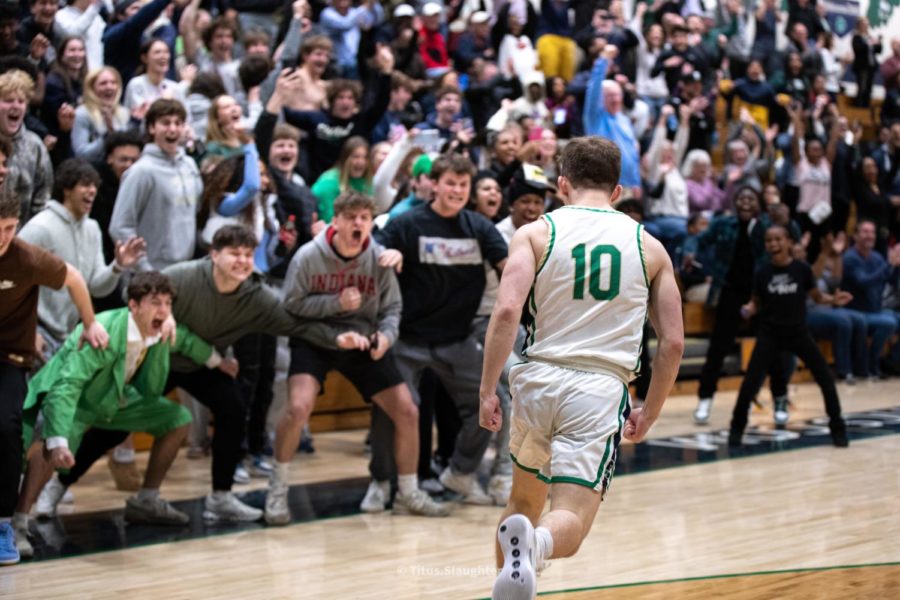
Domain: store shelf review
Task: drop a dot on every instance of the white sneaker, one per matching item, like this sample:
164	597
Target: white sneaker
50	497
277	511
466	486
432	486
257	466
375	500
227	507
241	475
781	412
154	511
701	414
499	488
419	503
26	550
517	578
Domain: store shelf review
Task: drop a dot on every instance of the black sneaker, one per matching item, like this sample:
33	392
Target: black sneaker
839	438
735	439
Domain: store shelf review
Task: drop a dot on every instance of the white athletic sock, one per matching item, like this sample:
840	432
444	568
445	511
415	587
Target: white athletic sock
20	520
146	494
544	549
406	484
280	472
220	495
123	455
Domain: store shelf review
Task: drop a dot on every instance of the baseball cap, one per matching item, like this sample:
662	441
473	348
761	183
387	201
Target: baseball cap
479	16
431	9
528	179
404	10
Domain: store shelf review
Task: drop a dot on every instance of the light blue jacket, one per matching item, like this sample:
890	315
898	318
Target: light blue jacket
618	128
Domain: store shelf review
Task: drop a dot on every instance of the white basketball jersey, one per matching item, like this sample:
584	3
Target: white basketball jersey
590	293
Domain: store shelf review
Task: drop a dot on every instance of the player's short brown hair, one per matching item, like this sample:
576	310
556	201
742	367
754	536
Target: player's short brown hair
591	163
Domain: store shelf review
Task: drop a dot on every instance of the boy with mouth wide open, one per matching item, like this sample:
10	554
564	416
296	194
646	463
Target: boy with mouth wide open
343	279
116	388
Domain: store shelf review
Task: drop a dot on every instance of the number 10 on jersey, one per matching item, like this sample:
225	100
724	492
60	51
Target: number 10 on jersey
605	263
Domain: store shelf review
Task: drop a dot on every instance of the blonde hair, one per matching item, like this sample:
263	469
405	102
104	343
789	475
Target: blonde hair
343	165
17	81
214	131
92	102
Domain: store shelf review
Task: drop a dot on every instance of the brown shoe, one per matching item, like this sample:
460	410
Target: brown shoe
126	475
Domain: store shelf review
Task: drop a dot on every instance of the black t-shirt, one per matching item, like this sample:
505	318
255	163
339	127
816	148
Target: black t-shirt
443	274
782	295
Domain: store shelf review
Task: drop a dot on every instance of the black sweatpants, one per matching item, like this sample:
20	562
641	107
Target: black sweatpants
767	352
12	396
255	354
212	388
728	320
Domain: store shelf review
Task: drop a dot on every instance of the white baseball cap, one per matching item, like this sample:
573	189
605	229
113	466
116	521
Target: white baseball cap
431	9
479	16
404	10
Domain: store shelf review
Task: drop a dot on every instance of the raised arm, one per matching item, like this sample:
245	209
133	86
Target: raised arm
187	27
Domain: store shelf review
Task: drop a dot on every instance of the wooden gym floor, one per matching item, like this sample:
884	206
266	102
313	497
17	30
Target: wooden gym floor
811	522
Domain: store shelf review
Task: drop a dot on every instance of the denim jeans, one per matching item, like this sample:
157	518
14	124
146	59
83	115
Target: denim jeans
670	230
881	326
846	330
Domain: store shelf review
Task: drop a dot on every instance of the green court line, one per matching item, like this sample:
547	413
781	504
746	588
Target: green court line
725	576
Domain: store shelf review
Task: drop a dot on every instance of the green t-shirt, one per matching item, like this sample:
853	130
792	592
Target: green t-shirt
328	187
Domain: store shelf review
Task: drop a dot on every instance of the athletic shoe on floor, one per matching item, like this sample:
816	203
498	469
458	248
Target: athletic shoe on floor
839	437
735	439
227	507
499	488
781	412
517	577
466	486
375	500
9	554
241	475
419	503
154	511
126	475
277	511
701	414
23	544
198	452
257	466
53	492
432	486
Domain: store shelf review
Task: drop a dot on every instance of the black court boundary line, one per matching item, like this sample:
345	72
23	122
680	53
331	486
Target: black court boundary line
723	576
220	529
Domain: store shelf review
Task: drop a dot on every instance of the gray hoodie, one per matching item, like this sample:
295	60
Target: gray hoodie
78	243
158	200
317	275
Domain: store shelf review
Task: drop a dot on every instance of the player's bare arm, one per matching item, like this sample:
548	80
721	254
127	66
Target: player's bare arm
666	317
525	250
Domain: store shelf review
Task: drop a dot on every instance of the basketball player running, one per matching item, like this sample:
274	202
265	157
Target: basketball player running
587	273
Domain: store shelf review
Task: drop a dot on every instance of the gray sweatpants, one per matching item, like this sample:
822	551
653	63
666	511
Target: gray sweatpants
458	366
